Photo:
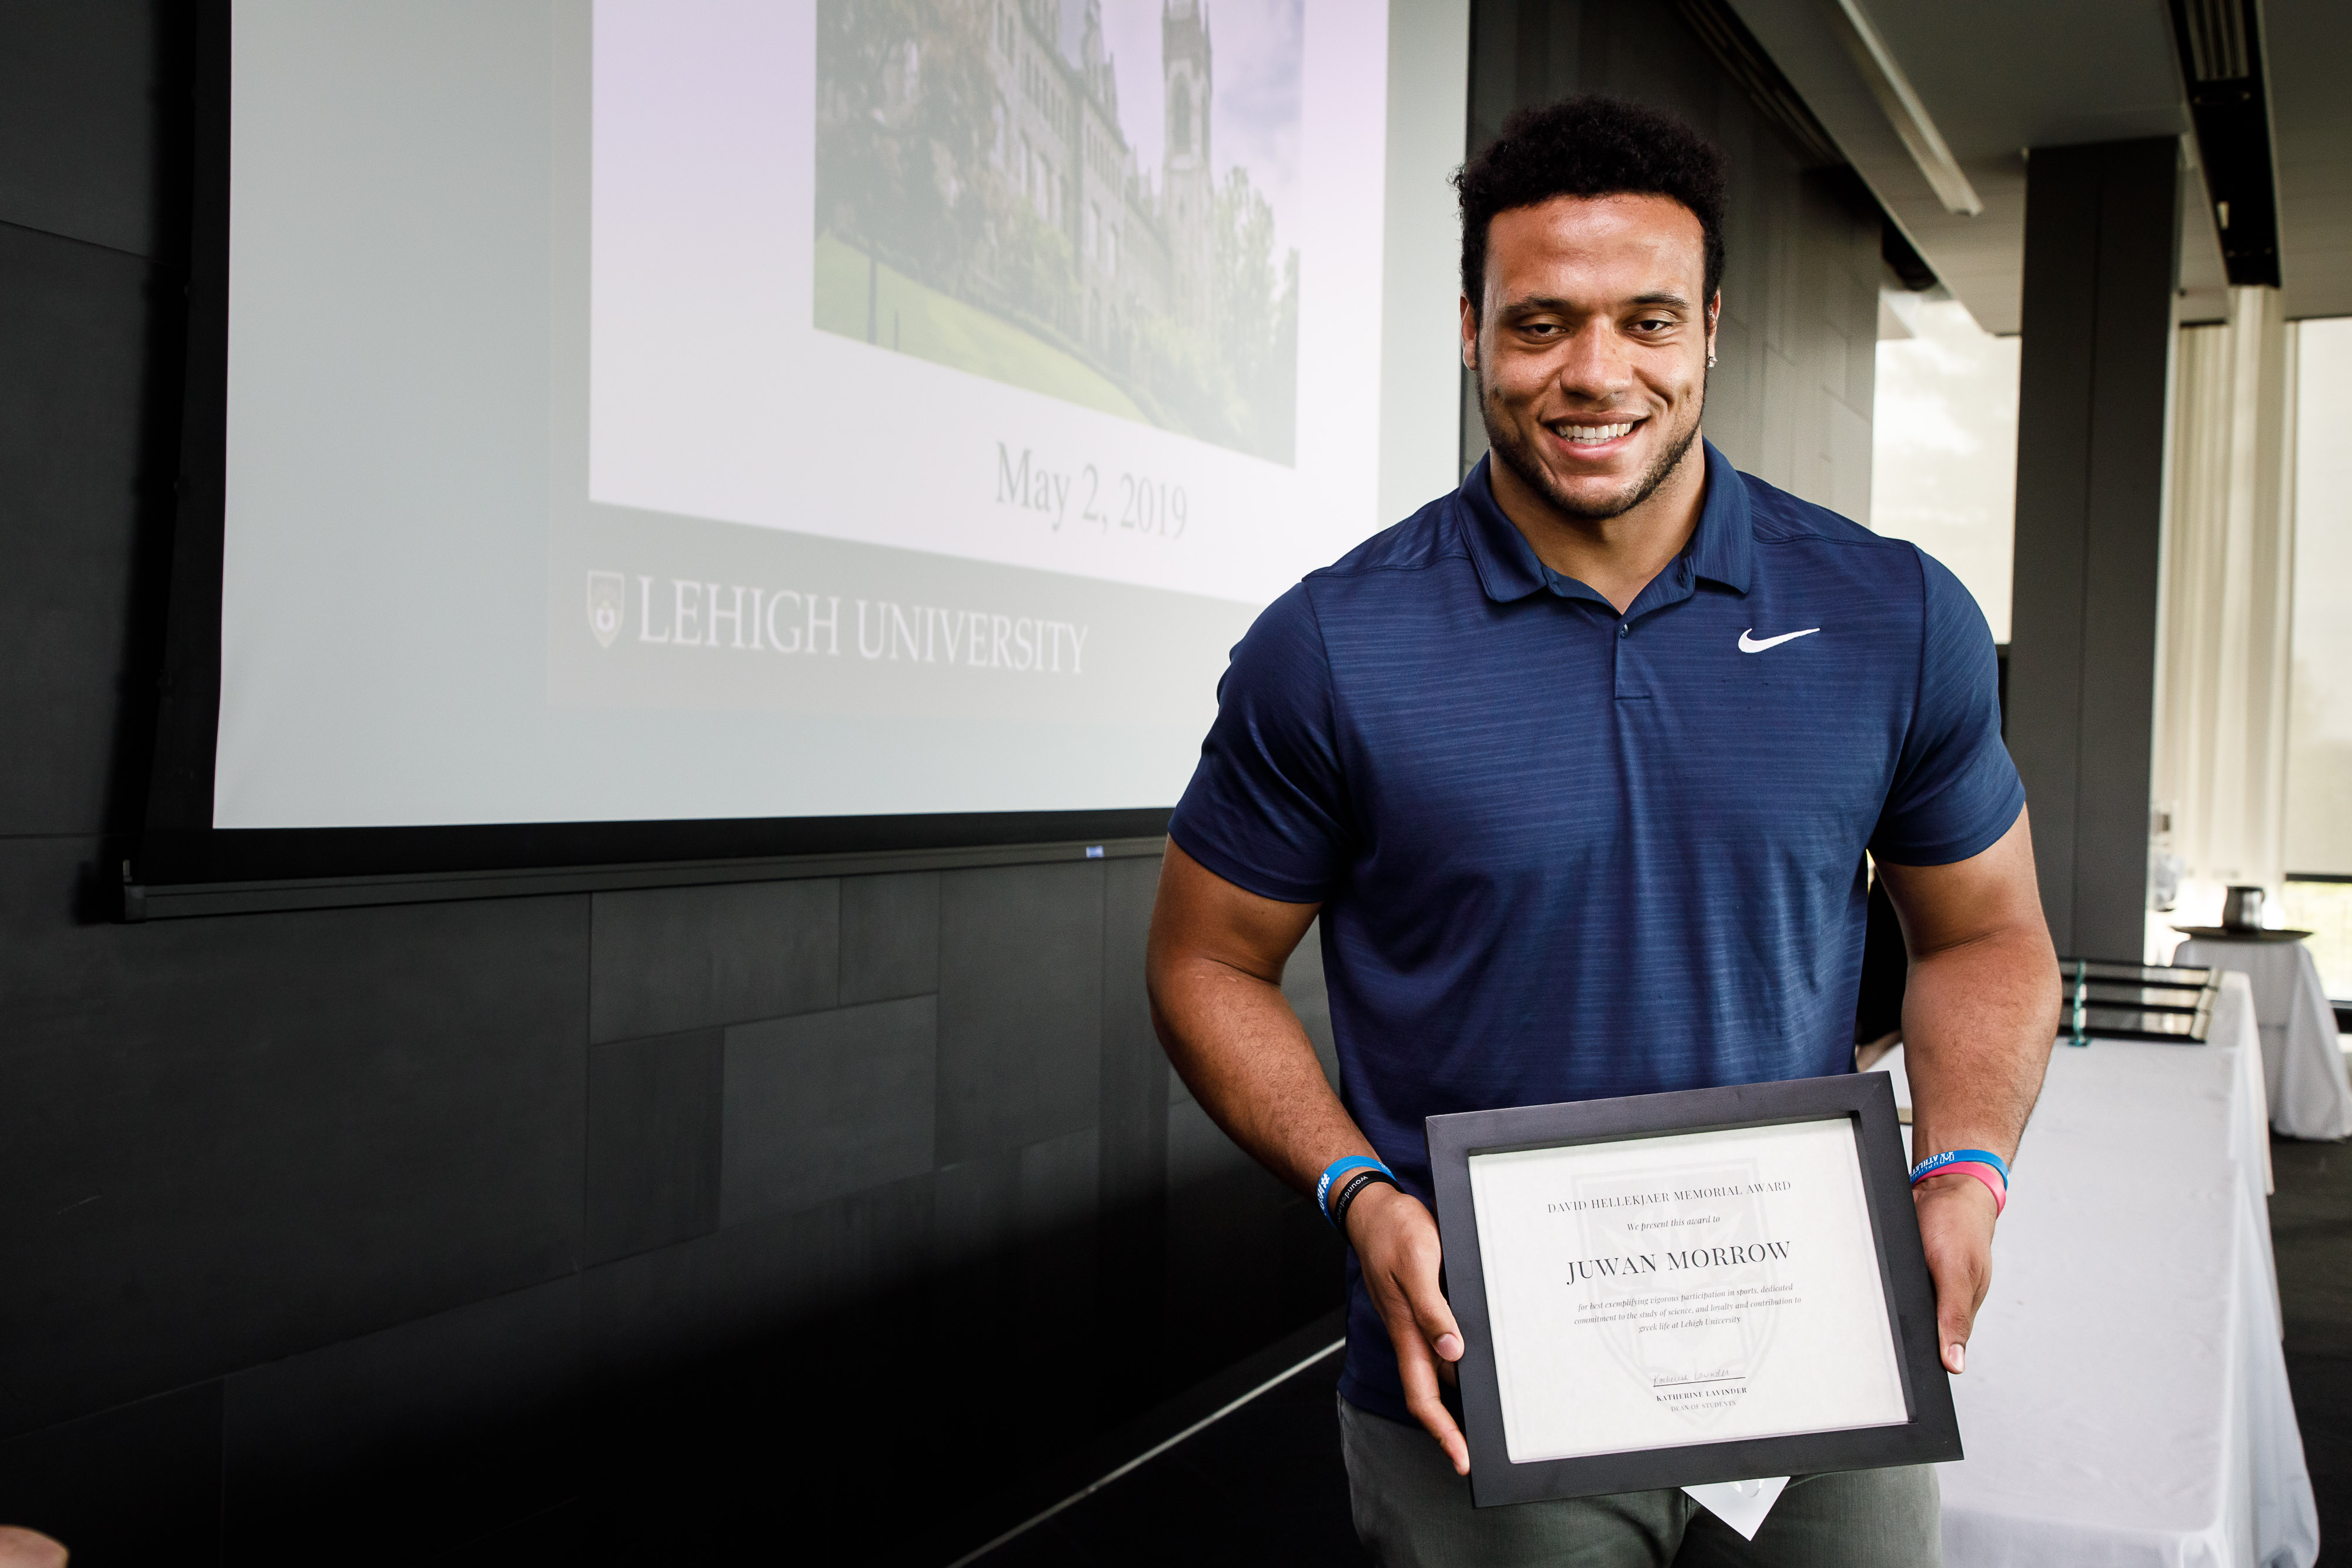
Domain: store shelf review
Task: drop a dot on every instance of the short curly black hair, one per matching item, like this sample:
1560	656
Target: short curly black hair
1589	145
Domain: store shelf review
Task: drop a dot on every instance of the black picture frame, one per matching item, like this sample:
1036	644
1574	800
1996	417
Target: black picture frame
1932	1434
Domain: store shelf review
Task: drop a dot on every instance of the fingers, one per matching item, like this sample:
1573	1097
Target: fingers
1396	1243
1431	1314
1418	1369
1956	1231
1953	1322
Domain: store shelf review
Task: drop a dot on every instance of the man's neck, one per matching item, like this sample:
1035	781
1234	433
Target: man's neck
1615	557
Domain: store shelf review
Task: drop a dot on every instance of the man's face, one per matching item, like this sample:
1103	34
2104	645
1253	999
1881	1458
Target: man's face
1590	346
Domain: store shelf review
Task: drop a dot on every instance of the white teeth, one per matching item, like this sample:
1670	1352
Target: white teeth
1593	434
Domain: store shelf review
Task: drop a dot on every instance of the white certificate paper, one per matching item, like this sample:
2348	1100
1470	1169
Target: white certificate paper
1693	1288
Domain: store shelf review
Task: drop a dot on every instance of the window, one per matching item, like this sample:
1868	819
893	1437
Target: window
1943	465
2319	722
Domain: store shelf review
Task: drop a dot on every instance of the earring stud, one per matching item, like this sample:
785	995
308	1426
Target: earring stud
1710	361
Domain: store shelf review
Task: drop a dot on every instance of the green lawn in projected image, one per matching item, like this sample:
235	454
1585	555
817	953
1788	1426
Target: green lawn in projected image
929	325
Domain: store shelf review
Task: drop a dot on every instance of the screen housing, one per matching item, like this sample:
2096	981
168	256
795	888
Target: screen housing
178	847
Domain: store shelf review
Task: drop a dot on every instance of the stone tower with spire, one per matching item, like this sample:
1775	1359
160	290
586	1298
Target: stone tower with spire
1188	187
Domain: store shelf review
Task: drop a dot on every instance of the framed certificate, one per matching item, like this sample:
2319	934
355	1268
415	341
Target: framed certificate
1675	1289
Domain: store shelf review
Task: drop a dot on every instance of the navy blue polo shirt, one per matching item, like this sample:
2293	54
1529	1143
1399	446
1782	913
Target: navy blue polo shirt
1564	854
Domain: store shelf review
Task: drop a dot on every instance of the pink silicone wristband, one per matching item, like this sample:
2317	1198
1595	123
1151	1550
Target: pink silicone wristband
1983	1173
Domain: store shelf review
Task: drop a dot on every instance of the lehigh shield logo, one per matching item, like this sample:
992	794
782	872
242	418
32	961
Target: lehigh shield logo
606	600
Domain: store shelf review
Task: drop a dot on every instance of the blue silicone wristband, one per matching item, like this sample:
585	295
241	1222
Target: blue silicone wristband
1340	1168
1935	1163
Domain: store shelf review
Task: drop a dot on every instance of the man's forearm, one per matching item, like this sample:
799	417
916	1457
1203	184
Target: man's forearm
1979	1020
1242	1051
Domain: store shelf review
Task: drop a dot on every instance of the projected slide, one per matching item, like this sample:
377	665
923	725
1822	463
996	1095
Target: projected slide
883	405
1084	280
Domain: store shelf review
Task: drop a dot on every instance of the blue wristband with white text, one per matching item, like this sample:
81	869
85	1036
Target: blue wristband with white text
1935	1163
1340	1168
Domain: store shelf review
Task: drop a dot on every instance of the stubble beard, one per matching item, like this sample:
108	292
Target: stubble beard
1515	455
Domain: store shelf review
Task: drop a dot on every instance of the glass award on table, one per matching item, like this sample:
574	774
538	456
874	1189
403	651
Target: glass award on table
1677	1290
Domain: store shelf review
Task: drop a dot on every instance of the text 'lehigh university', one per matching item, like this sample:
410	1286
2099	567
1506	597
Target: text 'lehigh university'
697	615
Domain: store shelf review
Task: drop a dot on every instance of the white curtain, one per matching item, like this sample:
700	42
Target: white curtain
2222	666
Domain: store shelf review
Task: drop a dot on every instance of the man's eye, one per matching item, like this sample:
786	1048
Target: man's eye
1653	324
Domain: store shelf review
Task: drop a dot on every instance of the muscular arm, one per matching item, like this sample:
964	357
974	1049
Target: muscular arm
1214	971
1980	1015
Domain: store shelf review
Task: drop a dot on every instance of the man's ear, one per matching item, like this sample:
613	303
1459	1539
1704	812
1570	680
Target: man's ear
1469	335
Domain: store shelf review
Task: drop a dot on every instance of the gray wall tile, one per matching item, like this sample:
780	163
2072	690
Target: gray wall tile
1134	1089
84	92
889	935
1226	1246
991	1207
433	1431
1018	1241
139	1483
234	1140
823	1104
1199	1153
751	1287
1019	1006
676	958
74	324
653	1141
740	1375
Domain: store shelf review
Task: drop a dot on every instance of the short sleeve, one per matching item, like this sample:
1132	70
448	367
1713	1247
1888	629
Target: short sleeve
1267	809
1955	792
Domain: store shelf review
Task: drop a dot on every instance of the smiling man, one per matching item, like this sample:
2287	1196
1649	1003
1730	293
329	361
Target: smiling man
1580	765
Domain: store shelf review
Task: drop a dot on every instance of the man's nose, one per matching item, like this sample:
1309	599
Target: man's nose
1595	364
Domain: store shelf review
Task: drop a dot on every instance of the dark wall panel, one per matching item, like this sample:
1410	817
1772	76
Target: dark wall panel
240	1139
135	1485
90	97
687	957
1020	988
826	1104
655	1112
74	329
889	937
436	1431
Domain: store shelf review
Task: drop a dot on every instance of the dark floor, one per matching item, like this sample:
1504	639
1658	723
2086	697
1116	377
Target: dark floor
1265	1484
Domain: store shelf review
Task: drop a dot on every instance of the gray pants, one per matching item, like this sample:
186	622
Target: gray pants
1412	1511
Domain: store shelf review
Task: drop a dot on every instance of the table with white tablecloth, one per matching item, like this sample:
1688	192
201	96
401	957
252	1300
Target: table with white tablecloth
2126	1403
2303	1062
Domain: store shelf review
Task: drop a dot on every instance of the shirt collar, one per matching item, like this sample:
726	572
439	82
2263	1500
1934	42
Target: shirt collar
1721	547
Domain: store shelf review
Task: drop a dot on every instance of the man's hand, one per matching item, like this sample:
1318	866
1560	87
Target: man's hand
1956	1215
1980	1015
1396	1246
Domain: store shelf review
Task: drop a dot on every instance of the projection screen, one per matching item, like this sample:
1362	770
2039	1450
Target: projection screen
687	409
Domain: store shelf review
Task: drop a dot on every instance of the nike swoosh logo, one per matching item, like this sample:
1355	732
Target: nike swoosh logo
1748	644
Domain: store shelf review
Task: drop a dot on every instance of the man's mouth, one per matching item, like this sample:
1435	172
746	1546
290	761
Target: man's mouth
1592	434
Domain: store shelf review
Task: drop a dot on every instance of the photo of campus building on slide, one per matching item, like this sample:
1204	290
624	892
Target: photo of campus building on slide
982	203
